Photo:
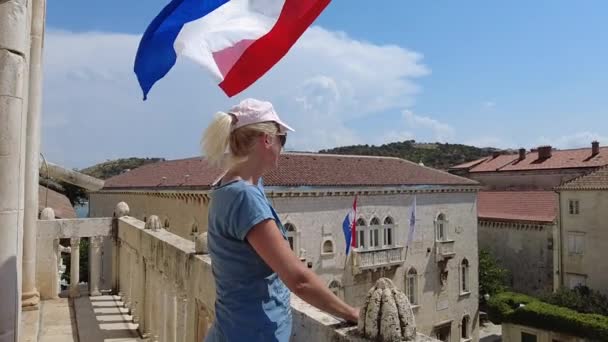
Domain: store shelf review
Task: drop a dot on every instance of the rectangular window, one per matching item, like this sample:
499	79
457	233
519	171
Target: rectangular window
388	236
527	337
361	240
574	207
411	289
373	237
576	242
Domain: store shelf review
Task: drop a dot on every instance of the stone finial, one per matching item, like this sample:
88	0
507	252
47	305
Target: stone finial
153	223
201	244
122	209
387	314
47	214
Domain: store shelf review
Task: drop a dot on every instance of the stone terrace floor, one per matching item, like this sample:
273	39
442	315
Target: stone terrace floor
87	319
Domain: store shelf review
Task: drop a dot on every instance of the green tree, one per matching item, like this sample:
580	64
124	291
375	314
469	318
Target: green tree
492	277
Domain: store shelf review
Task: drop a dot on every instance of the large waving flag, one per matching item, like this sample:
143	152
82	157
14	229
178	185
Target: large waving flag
237	41
349	226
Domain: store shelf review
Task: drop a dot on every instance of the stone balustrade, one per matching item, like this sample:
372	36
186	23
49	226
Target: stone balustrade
165	284
377	258
48	257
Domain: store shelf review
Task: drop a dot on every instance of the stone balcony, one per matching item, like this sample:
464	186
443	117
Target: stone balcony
159	288
445	250
372	259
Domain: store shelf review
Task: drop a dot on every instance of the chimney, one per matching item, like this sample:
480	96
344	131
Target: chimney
544	152
595	148
522	153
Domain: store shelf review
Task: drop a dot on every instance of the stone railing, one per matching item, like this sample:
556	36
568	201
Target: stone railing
377	258
167	287
49	266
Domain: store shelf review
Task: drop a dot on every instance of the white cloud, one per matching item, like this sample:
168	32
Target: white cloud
441	132
93	108
575	140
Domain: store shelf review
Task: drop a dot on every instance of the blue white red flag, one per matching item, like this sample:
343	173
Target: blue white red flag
236	41
349	226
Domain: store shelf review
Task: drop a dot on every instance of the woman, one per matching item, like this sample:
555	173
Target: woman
253	265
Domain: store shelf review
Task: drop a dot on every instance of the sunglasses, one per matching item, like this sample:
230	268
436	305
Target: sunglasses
282	139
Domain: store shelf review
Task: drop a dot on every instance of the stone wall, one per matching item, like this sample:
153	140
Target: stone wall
525	250
589	227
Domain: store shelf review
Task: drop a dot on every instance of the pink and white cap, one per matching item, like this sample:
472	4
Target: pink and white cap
252	111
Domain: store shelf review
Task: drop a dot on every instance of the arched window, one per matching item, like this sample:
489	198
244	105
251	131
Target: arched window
291	235
361	229
411	286
388	231
465	328
328	247
464	276
441	227
374	232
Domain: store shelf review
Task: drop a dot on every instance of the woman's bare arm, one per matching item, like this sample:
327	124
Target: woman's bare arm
274	250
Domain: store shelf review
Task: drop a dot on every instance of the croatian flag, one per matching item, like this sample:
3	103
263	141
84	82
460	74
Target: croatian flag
349	226
236	41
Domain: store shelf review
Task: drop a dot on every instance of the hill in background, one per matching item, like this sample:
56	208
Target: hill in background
113	168
437	155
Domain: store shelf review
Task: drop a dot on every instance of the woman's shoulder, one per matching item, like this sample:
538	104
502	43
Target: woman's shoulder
237	189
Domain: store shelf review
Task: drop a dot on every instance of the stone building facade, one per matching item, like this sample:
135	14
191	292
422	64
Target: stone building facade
312	194
584	218
519	228
520	215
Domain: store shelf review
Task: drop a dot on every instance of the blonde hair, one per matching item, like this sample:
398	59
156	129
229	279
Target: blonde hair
224	147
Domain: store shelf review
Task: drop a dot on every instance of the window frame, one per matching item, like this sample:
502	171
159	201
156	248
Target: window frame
574	206
441	221
465	279
576	239
411	285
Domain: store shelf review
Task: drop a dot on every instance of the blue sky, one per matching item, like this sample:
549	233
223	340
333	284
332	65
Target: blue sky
510	74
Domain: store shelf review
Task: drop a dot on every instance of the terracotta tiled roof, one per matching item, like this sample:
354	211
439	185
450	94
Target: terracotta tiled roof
597	180
494	164
534	206
295	169
470	164
59	202
560	159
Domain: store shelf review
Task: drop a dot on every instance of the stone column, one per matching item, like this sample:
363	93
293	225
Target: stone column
14	53
95	265
122	209
75	268
31	296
